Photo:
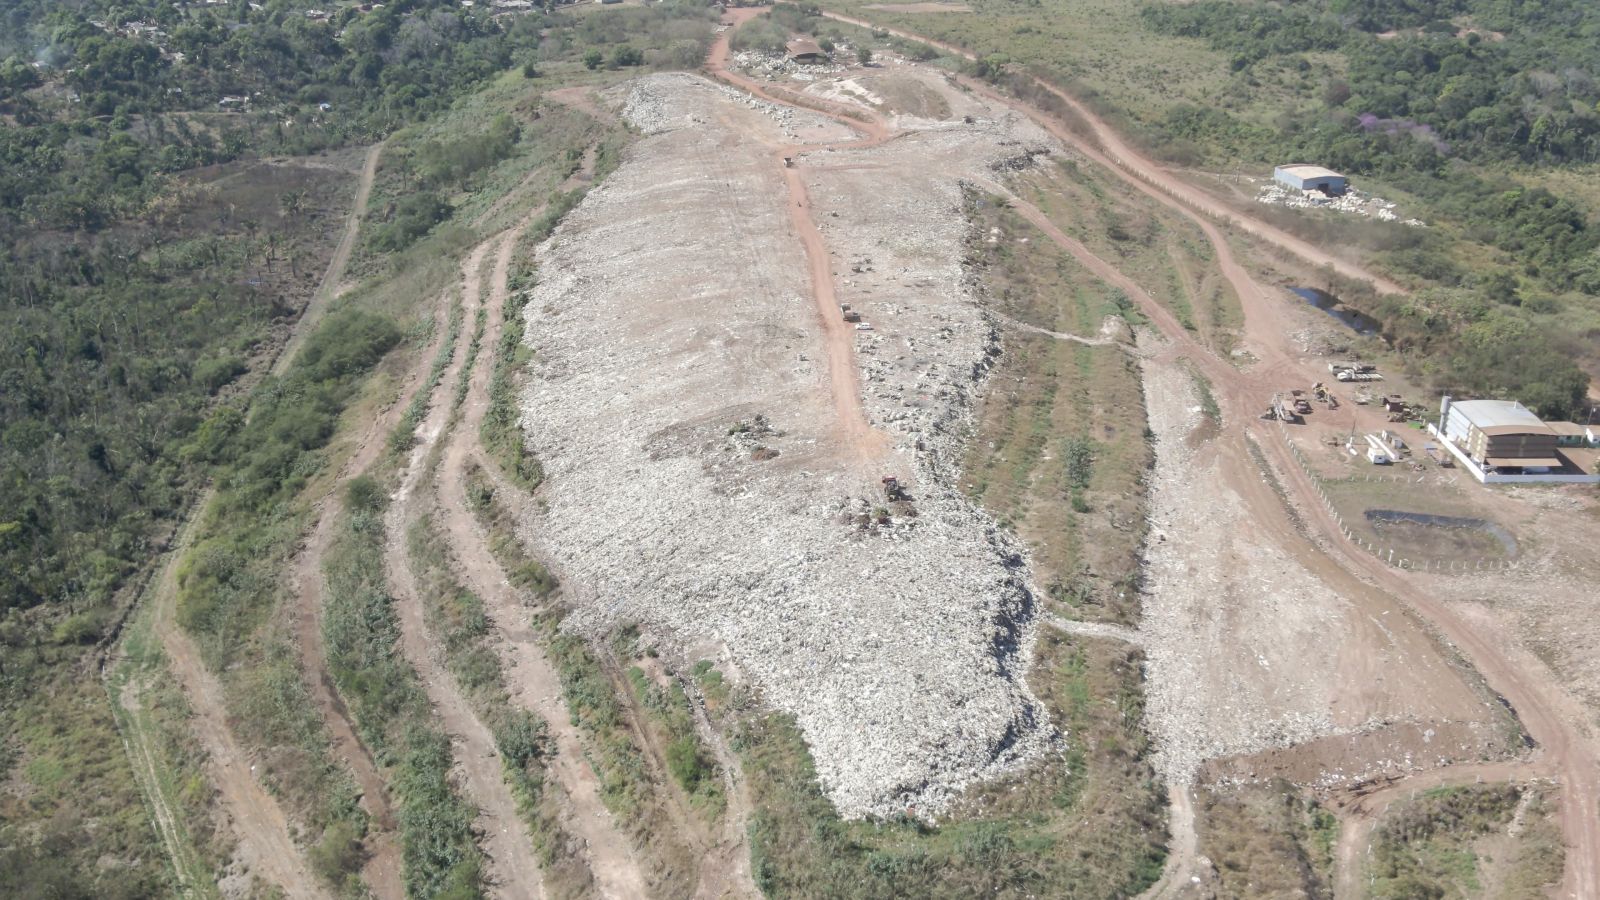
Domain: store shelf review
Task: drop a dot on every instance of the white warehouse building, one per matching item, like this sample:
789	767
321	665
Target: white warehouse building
1312	178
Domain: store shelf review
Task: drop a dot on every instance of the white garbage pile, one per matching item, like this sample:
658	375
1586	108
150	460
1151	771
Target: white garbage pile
673	308
1352	202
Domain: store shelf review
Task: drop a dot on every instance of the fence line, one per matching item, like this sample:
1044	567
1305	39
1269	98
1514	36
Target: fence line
1386	554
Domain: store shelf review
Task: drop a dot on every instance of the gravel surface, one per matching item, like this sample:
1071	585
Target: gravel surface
674	308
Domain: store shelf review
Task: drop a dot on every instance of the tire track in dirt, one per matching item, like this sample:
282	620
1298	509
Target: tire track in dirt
327	288
1556	721
506	840
383	867
1112	151
258	821
530	677
1360	812
533	681
839	336
137	742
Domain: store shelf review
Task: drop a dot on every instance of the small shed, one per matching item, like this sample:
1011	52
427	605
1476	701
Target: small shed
1312	178
804	51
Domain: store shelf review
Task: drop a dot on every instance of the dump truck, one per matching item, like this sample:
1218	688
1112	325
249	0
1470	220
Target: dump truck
1283	410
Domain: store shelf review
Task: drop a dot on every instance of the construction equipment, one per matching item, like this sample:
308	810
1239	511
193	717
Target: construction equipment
1302	406
1283	410
1354	371
893	490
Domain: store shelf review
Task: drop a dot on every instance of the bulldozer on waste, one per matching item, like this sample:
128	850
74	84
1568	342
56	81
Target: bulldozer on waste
893	490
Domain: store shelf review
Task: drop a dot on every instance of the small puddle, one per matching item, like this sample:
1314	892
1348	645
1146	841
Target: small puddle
1328	303
1507	542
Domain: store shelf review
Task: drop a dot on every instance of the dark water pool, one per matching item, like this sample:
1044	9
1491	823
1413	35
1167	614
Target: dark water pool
1330	304
1508	542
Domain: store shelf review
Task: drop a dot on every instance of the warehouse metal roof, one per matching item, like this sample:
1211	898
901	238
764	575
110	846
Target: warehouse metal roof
1500	416
1306	171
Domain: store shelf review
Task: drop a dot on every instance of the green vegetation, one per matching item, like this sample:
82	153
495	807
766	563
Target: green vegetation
1208	400
1090	824
262	465
390	708
594	697
149	270
668	713
1268	841
501	432
1062	443
404	435
522	737
1456	115
1455	842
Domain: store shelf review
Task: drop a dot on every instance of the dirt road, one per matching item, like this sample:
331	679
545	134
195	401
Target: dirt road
327	288
530	678
1113	151
382	870
259	822
265	847
1360	813
506	839
839	336
1552	717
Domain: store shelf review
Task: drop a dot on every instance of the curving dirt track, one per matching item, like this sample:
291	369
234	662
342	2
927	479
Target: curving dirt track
1111	150
382	870
530	678
843	373
1360	812
505	837
328	287
259	822
1555	720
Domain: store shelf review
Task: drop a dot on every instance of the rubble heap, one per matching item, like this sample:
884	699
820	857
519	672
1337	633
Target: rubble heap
698	483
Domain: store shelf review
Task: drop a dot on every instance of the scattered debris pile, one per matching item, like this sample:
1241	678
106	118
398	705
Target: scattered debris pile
1352	202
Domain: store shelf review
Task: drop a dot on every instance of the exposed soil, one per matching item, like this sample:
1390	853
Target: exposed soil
506	840
1552	717
382	869
530	678
264	849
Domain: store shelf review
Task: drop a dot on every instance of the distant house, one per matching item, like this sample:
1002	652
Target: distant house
1504	441
1312	178
804	51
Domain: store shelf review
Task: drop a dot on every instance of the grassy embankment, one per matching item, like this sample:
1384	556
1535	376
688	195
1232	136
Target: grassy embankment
1503	278
439	852
1497	840
287	456
1268	841
595	692
181	329
1066	422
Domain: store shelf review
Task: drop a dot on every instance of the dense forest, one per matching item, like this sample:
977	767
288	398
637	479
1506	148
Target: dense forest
164	217
1446	99
122	323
